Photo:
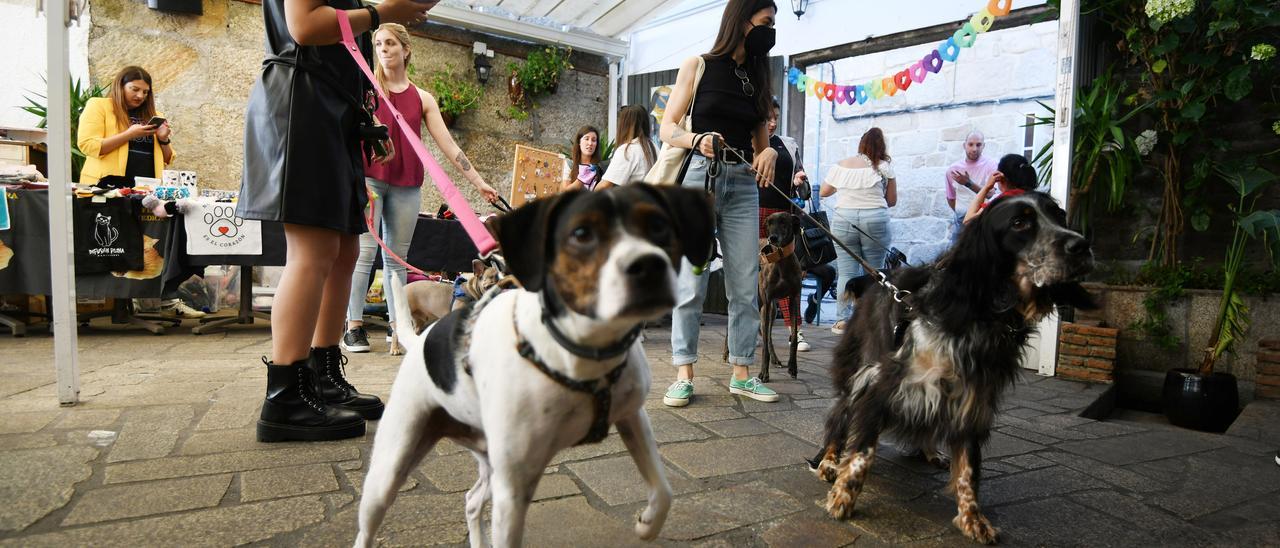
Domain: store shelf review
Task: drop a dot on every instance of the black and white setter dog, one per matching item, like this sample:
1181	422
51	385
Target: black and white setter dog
930	371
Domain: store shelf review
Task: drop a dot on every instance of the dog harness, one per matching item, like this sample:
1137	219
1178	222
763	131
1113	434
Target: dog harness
602	396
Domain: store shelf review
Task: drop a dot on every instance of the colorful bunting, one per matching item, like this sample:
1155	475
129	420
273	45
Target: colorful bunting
946	52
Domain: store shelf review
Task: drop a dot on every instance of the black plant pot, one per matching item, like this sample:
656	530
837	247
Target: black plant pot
1201	403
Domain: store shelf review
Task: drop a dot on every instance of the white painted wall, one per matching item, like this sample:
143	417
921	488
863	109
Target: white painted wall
25	58
690	28
991	87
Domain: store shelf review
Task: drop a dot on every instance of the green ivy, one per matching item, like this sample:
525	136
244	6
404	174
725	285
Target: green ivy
1192	64
455	95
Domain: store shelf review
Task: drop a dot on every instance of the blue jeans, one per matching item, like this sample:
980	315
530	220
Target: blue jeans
876	223
957	225
398	206
737	202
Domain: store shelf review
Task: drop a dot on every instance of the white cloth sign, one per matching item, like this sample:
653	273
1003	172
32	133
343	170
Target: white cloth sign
213	228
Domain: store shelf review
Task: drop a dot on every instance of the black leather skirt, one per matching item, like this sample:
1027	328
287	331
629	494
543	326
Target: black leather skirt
302	157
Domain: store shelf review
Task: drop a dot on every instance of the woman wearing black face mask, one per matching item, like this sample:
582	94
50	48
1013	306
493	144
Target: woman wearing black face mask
731	103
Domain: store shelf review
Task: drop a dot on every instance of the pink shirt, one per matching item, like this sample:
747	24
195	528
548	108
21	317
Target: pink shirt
404	169
978	171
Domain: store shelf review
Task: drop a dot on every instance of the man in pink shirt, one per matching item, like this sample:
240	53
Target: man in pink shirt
966	177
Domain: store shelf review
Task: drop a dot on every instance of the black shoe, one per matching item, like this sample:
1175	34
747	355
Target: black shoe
811	309
293	412
355	340
334	388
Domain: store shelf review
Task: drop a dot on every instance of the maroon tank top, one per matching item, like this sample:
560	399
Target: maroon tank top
404	169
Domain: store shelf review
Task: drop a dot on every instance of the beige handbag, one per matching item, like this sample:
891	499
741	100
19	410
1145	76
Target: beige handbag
672	162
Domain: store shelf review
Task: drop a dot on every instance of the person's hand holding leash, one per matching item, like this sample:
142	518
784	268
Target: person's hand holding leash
764	164
707	143
490	195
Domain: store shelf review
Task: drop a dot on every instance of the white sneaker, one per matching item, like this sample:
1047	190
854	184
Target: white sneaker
801	345
181	310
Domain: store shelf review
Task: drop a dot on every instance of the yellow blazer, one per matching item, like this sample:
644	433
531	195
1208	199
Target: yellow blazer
97	122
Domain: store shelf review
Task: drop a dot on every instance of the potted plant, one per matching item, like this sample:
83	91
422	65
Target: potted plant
455	95
1105	154
1202	398
539	75
80	96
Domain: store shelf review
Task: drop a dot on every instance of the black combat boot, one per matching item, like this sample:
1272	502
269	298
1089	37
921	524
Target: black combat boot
294	412
334	388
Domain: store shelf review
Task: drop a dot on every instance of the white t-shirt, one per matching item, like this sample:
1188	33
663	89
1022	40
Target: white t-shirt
628	164
860	187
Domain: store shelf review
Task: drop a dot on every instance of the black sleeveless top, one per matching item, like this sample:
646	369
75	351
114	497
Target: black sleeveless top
783	171
721	106
302	158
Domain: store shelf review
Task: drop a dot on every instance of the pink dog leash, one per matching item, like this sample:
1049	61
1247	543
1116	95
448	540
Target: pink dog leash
470	221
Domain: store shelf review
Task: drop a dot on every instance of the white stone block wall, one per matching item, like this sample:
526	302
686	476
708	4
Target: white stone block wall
992	87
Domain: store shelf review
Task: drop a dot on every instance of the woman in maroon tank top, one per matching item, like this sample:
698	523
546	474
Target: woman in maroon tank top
397	181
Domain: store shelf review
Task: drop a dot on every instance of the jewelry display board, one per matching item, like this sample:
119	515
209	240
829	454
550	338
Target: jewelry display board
537	173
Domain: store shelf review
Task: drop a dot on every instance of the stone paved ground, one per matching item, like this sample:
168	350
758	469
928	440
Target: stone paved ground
161	452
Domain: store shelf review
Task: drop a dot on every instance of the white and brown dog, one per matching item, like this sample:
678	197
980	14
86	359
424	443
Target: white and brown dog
529	372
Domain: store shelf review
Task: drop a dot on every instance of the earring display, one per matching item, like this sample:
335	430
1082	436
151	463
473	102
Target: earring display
536	174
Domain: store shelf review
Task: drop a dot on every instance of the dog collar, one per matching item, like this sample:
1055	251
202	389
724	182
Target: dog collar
601	397
612	351
776	253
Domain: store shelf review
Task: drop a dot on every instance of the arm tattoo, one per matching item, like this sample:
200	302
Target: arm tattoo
463	163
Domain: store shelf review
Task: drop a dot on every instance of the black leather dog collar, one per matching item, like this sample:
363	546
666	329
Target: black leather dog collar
612	351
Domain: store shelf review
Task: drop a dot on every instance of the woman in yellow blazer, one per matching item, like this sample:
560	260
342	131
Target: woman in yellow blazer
115	134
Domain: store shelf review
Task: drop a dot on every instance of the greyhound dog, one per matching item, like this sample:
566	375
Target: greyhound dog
780	277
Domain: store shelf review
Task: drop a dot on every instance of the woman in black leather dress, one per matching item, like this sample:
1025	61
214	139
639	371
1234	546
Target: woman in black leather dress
302	167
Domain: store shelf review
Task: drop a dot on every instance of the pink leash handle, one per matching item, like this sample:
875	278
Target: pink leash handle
470	221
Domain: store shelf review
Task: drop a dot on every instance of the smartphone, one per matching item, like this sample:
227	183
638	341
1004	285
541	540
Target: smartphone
156	121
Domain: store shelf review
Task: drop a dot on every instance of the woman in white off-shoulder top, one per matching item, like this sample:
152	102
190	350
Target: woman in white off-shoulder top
865	187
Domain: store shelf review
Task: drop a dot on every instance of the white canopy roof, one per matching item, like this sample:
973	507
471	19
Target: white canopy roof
595	26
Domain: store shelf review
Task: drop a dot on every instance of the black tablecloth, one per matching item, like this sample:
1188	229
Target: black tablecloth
440	244
437	245
28	271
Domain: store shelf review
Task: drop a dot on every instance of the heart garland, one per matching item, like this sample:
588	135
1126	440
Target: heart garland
946	52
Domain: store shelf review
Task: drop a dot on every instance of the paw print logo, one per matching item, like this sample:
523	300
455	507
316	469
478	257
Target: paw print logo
223	222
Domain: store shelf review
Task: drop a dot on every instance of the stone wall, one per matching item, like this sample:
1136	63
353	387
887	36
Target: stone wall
1190	320
992	87
204	66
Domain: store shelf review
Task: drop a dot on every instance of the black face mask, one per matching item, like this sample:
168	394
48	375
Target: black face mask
760	40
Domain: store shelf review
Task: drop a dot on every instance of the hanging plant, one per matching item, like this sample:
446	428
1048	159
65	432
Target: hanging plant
539	75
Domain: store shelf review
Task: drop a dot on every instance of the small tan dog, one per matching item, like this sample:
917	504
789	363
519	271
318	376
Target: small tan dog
431	300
